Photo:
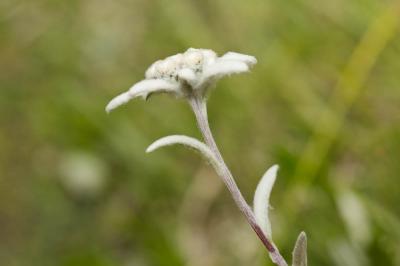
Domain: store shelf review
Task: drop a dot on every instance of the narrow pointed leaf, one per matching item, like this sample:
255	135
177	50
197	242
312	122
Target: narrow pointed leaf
188	142
300	251
261	200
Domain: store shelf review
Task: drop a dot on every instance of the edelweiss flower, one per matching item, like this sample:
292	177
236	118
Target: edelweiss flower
190	73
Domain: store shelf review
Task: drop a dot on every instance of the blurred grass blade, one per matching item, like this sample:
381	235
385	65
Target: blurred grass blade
349	87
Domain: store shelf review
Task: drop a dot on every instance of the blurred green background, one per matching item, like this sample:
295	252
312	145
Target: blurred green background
77	189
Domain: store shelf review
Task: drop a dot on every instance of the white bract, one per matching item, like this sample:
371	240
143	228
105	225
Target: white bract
186	74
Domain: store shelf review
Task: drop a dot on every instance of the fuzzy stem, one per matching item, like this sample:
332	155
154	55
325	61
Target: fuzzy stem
198	105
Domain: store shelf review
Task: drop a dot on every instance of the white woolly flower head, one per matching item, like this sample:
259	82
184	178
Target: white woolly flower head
185	74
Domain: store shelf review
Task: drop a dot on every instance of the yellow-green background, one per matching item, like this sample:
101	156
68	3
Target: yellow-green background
323	102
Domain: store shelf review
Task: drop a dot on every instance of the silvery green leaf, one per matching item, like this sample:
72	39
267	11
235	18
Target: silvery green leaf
248	59
300	251
261	200
189	142
143	88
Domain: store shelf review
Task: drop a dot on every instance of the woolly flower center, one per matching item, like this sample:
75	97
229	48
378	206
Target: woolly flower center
193	59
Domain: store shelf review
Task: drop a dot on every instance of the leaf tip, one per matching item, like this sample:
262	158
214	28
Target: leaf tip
118	101
150	148
155	145
274	169
261	199
300	250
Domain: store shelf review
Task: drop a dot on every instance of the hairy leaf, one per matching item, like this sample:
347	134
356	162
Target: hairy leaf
300	251
261	200
189	142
